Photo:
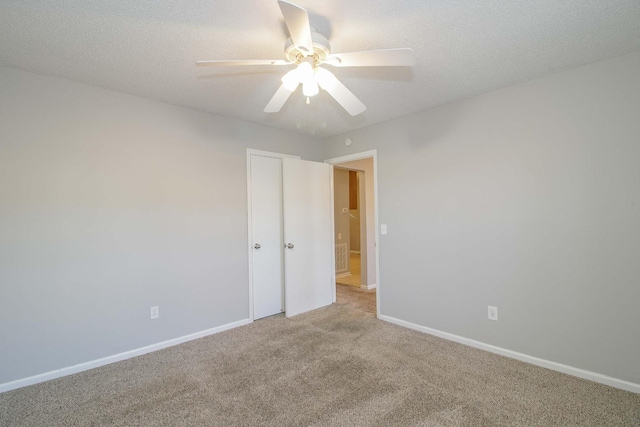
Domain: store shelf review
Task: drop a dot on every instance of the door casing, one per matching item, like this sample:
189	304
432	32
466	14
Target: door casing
373	154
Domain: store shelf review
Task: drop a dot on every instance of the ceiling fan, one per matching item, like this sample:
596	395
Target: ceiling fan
308	50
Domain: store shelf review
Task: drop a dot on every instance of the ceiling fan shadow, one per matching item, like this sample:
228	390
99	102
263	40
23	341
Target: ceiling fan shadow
333	108
318	23
232	73
321	24
404	74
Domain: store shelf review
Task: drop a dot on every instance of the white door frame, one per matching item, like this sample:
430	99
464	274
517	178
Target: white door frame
373	154
252	152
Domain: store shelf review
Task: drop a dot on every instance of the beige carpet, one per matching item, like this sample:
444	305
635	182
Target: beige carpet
336	366
359	298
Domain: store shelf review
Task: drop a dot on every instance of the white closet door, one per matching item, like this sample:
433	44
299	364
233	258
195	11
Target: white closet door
266	229
308	235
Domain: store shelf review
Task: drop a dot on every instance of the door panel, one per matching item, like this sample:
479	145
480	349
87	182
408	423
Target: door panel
266	229
308	266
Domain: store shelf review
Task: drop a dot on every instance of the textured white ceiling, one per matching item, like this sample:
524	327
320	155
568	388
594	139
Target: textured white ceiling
463	48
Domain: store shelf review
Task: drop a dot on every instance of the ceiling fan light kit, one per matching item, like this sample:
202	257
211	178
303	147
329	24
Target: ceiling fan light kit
308	50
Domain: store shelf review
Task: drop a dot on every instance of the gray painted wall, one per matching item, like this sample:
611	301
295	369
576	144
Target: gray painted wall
111	204
527	198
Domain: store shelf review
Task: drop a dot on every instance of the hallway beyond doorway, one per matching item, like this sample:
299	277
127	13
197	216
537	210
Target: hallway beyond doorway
363	257
354	279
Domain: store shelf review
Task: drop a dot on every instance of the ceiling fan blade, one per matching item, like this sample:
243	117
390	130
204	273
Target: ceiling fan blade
348	101
233	62
297	21
403	57
278	100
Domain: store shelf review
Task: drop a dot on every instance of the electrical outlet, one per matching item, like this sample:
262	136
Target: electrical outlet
155	312
493	313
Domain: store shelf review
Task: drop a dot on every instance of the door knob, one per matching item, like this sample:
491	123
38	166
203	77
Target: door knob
257	246
289	245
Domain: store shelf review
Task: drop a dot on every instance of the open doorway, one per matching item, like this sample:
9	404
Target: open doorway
355	231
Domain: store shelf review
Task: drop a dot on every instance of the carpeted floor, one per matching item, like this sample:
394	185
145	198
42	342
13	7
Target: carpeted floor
337	366
362	299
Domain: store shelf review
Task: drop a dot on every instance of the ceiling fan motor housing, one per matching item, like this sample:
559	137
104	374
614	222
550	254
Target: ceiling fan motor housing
321	48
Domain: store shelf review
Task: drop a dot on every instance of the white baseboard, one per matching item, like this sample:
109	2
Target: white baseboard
566	369
339	275
368	287
12	385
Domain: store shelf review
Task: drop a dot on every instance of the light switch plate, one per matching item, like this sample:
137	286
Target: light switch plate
383	228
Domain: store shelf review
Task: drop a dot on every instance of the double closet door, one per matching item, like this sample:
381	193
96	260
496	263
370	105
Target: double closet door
292	235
